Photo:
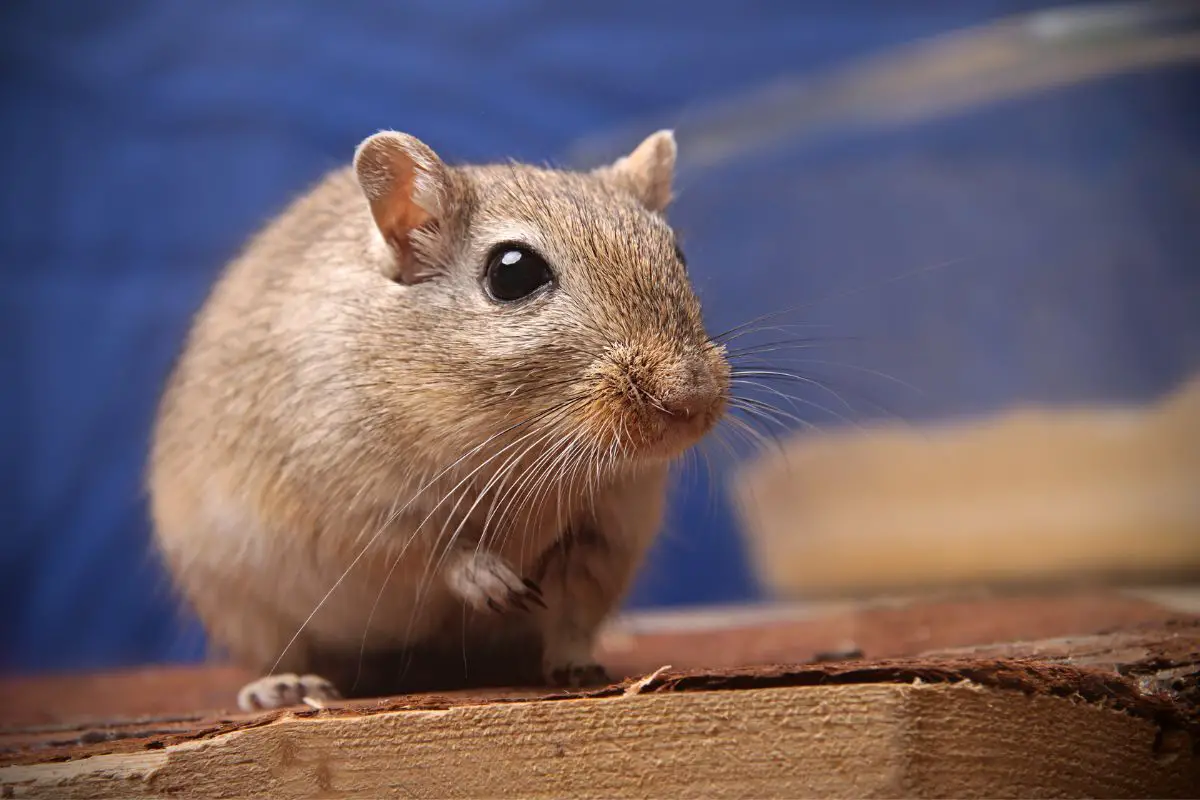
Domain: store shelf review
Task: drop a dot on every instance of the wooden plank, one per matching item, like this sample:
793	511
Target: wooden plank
67	706
1114	715
960	740
961	720
1033	496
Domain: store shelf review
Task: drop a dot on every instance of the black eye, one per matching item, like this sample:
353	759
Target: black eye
514	272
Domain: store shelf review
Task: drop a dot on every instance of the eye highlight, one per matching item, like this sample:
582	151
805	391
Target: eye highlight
515	272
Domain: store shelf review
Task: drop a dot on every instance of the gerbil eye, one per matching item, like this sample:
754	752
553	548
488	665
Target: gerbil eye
514	272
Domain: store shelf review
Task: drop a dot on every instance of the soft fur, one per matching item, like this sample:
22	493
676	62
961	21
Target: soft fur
355	429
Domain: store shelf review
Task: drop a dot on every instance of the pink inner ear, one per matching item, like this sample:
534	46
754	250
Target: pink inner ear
397	215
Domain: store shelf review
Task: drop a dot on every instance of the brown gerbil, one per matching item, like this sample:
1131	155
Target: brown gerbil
424	422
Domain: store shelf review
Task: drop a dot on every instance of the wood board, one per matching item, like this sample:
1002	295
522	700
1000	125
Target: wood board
1032	496
1107	707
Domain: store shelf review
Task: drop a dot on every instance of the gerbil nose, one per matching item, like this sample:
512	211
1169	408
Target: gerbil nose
692	392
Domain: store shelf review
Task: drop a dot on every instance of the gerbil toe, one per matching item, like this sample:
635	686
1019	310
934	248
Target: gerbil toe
579	675
279	691
486	582
534	595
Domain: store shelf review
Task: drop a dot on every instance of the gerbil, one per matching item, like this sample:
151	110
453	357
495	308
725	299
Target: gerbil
420	431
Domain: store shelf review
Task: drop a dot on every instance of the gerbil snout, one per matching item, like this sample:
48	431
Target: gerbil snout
688	391
662	399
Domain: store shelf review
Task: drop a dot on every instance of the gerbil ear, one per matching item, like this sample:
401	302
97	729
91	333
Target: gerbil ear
406	185
648	171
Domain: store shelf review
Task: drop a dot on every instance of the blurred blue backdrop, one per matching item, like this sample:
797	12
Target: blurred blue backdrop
144	141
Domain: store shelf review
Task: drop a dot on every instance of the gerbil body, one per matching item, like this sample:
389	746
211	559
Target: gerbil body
420	431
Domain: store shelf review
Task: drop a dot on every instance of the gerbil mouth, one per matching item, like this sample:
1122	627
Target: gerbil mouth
660	401
680	430
656	429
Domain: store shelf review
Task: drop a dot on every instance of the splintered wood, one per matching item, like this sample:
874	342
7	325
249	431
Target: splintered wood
1097	714
956	740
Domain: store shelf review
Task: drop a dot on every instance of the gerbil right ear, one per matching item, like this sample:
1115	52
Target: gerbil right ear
648	171
406	185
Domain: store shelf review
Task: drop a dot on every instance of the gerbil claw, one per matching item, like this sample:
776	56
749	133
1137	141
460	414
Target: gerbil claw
486	581
278	691
576	676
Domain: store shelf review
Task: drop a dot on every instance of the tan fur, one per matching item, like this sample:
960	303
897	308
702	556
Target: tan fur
349	357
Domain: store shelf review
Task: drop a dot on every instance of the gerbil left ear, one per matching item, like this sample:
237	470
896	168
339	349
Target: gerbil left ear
405	184
648	171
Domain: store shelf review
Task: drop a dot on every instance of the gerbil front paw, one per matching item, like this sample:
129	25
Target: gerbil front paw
574	676
486	581
277	691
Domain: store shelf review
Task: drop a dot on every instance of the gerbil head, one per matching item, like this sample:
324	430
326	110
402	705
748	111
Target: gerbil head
534	302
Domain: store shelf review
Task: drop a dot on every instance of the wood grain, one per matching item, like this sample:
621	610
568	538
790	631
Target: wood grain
959	740
1112	710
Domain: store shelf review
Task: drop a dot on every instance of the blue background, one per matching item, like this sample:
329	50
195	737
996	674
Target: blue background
144	141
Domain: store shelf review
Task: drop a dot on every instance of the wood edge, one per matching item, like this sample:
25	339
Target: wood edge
542	748
1146	670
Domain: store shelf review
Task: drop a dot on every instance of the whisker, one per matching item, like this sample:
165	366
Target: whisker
561	464
531	477
772	413
768	374
838	295
422	584
756	436
433	567
537	482
392	516
504	492
387	522
531	483
483	539
798	377
793	400
784	328
860	368
509	472
710	504
784	345
434	564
